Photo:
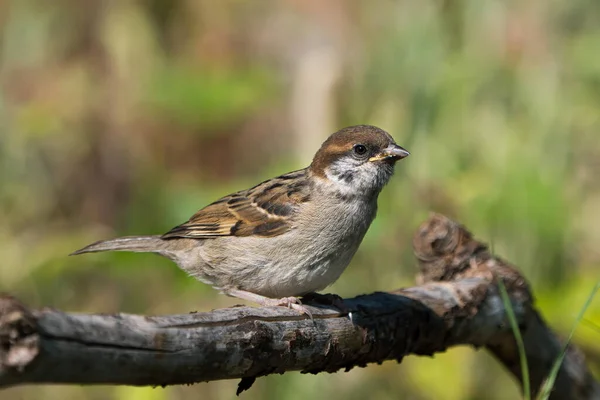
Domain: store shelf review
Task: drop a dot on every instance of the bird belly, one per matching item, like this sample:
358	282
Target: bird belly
297	262
303	270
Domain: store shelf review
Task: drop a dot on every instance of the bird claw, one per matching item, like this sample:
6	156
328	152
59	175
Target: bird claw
293	303
289	302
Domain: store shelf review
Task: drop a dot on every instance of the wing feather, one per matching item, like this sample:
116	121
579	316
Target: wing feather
266	210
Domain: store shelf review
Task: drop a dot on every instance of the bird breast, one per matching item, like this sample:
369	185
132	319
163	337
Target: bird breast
308	258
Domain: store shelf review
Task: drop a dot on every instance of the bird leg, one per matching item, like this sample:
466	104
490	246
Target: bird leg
289	302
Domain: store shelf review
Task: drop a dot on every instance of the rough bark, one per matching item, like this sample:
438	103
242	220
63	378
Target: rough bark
456	303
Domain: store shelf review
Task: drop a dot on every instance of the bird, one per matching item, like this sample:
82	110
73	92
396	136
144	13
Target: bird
289	236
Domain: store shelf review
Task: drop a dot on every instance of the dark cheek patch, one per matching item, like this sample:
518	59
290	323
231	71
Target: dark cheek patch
344	172
347	176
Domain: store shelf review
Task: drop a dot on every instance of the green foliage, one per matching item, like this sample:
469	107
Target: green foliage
210	98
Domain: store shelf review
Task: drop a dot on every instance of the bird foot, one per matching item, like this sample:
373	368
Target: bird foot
289	302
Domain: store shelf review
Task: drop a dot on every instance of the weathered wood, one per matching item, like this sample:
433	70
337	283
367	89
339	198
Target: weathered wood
457	303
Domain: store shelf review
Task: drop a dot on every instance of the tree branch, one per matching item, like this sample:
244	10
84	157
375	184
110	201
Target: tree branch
456	303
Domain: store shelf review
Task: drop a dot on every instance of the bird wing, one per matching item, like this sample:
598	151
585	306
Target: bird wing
266	210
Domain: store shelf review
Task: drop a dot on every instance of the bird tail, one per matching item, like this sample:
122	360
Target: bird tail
138	244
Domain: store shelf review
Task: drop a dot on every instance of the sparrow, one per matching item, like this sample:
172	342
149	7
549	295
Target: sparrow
288	236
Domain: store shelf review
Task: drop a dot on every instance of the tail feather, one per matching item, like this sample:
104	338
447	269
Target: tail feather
149	244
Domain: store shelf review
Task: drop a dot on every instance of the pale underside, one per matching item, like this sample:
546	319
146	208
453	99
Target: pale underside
289	256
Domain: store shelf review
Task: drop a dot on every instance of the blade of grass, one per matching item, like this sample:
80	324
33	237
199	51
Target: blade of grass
591	324
549	382
518	338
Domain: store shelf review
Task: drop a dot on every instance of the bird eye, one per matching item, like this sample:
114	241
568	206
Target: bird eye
360	149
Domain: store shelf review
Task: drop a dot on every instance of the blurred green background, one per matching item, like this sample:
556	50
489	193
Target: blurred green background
125	117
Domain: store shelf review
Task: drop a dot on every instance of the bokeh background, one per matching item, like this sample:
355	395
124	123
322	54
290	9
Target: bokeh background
125	117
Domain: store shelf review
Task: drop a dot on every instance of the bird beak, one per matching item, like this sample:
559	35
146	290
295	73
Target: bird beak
391	153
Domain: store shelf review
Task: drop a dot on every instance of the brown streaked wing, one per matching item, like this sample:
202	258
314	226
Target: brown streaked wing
266	210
